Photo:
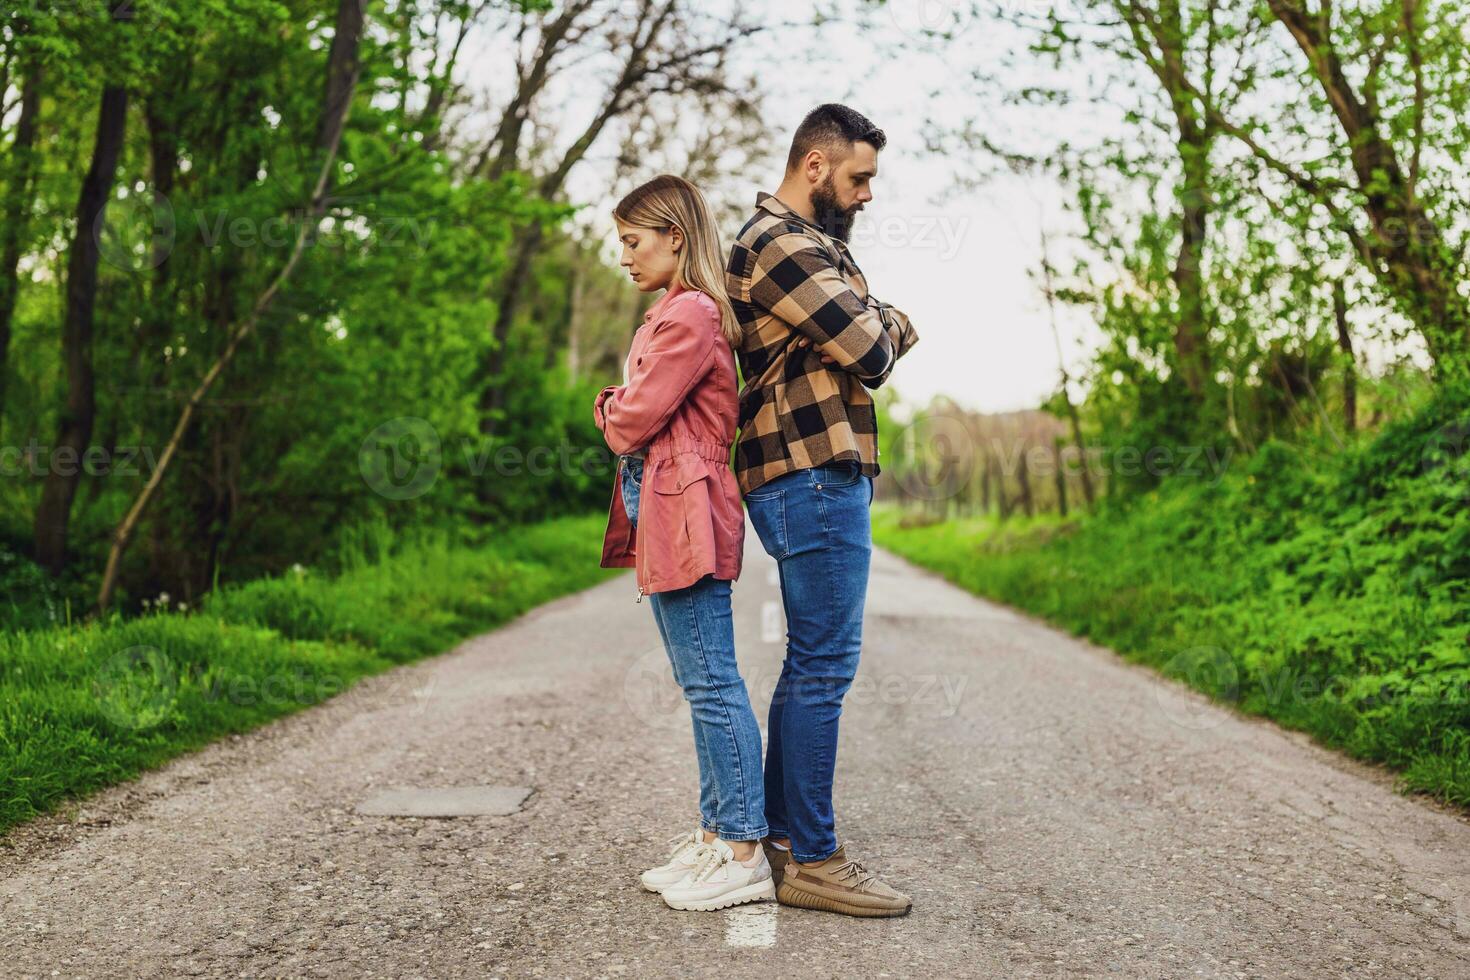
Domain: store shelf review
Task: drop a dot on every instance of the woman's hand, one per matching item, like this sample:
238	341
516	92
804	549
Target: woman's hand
602	396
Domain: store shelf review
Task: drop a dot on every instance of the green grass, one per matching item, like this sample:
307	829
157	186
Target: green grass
1328	592
90	706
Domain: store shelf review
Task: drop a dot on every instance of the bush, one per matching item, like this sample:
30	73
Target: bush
28	597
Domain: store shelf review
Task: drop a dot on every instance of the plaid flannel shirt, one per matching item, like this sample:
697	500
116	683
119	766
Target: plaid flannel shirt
788	279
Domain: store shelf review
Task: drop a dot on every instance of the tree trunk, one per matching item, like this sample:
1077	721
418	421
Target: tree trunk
985	477
1160	39
1191	332
507	299
1056	456
15	221
1023	479
1072	415
1349	359
576	303
53	514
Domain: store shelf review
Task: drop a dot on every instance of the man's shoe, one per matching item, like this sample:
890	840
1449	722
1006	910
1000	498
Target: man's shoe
840	885
776	857
719	881
681	861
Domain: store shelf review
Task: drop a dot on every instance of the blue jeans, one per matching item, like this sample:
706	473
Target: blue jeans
698	633
815	523
629	484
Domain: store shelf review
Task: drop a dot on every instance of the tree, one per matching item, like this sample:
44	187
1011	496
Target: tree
340	88
1404	246
53	513
15	220
664	50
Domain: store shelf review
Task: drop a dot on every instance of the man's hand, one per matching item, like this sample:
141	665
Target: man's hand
804	341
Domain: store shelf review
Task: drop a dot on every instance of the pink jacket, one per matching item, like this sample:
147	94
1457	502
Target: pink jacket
681	404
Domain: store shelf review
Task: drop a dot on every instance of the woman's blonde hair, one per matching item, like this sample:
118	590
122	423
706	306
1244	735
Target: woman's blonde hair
667	202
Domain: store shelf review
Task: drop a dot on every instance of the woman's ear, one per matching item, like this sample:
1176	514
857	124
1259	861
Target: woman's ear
676	239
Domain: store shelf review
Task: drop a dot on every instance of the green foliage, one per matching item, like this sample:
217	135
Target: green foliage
1329	591
375	346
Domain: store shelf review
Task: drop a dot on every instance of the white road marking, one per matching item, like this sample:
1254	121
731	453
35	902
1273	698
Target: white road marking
751	925
773	625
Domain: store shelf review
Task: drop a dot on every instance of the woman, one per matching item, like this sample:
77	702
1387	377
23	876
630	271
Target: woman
676	517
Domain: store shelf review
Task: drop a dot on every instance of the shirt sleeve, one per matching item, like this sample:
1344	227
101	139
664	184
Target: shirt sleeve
675	359
900	331
795	278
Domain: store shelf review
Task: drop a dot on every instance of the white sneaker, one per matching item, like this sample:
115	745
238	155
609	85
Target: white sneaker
719	881
681	861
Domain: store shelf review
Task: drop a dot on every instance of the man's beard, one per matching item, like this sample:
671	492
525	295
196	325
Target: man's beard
830	216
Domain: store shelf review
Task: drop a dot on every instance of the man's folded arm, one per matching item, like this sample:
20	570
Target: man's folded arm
900	331
795	279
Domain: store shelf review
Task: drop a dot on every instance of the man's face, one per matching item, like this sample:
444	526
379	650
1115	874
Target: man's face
844	190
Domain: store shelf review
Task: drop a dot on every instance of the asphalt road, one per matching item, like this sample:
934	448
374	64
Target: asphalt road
1052	810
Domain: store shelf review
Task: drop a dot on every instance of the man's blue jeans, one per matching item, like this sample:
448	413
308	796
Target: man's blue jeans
815	523
698	633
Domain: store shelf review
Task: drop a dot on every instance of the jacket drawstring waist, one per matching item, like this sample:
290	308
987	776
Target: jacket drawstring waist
718	452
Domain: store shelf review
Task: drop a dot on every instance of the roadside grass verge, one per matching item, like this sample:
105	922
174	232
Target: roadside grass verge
1329	592
85	707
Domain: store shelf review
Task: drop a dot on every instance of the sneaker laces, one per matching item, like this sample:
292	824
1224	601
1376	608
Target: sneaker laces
707	860
678	842
854	869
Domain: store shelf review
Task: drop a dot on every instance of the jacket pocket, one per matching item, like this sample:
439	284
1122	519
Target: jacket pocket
680	473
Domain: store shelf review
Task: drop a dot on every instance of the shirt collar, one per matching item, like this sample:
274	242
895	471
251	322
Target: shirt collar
775	205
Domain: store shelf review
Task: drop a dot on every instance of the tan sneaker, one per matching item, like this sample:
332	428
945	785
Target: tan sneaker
840	885
777	858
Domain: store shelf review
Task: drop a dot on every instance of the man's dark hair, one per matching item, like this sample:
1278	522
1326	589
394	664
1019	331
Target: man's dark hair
833	128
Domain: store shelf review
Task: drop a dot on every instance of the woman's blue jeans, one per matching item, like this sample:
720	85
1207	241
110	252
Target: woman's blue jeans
815	523
698	633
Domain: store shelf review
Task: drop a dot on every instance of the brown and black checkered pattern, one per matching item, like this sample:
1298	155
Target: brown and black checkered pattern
788	279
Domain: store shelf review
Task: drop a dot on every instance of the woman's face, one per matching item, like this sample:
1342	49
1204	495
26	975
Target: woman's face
650	255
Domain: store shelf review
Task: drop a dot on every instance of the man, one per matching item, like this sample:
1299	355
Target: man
813	343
